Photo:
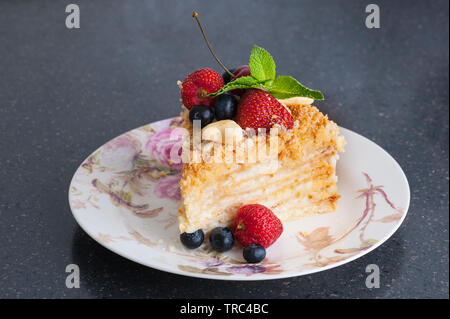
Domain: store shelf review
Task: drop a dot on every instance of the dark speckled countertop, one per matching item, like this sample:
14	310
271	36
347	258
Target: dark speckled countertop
65	92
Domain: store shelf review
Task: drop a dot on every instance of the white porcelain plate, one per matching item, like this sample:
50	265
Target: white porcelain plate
125	196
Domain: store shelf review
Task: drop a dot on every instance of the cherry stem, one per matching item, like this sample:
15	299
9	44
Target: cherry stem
195	16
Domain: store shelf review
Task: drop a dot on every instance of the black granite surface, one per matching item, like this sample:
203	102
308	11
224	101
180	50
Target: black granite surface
65	92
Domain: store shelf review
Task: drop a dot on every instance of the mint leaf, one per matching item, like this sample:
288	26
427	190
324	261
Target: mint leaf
245	82
286	86
262	66
262	69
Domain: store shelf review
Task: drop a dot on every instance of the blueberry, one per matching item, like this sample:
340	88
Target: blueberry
254	253
203	113
226	77
225	106
192	240
221	239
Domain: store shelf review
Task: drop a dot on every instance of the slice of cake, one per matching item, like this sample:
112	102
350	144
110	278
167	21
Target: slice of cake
298	180
252	137
255	154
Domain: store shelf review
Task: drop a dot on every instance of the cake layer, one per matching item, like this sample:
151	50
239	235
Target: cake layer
289	192
243	179
302	180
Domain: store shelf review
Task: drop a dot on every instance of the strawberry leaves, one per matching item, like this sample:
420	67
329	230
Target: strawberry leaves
262	69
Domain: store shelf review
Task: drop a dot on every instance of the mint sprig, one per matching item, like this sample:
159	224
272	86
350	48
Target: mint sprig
262	69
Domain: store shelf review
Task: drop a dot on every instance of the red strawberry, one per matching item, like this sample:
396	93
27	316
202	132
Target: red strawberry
256	224
259	109
198	85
